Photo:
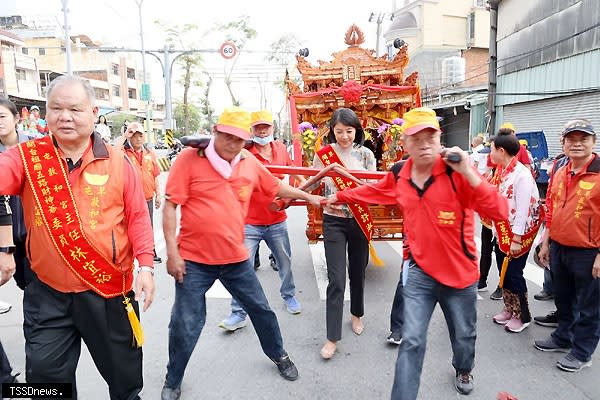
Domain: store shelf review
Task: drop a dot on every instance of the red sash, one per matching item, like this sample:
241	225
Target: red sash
54	200
360	211
503	229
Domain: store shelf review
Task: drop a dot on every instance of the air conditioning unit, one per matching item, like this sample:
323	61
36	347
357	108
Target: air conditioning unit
453	70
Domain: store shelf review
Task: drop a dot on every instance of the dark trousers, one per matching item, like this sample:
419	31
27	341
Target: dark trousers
150	204
54	324
23	274
397	313
341	236
485	258
513	279
577	299
189	312
5	368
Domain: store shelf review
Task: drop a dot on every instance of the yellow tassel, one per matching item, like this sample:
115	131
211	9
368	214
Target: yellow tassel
378	262
503	270
136	327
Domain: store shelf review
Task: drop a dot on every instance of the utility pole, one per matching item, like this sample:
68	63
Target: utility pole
145	86
65	11
168	123
493	66
378	19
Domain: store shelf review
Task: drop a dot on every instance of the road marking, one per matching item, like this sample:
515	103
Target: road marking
317	251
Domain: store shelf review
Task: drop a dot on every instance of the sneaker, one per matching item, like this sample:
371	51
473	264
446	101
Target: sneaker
394	338
4	307
168	393
464	383
543	296
157	259
550	320
503	317
497	295
233	322
273	263
293	307
286	368
516	325
482	287
550	345
570	364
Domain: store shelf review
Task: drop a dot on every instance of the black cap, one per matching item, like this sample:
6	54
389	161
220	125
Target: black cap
578	125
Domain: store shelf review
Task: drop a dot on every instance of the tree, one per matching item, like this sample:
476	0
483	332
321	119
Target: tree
190	62
189	111
206	110
238	32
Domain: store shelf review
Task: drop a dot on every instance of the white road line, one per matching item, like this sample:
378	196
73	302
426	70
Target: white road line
317	251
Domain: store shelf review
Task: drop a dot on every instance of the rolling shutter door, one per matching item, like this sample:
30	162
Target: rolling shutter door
550	115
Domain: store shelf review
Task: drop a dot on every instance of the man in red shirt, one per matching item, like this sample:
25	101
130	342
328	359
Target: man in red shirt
146	165
213	187
262	223
86	222
571	245
437	198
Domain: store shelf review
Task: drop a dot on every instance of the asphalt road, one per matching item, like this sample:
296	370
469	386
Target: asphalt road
232	366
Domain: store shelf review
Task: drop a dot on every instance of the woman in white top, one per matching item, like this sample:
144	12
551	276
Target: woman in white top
103	129
342	236
517	185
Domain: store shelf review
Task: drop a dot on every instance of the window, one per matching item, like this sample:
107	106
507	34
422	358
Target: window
42	51
481	3
115	69
25	50
131	93
471	28
101	94
20	74
116	91
130	73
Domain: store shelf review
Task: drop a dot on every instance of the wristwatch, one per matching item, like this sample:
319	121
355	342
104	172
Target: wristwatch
8	249
146	269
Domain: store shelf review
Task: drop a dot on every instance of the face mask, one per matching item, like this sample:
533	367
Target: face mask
263	141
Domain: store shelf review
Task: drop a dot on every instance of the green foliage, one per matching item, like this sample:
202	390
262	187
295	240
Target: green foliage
194	118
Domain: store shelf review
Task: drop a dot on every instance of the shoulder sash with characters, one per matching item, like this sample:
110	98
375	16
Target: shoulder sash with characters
54	200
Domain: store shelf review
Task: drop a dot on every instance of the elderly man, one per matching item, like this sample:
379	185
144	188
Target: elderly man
87	221
265	224
438	195
572	247
213	187
145	163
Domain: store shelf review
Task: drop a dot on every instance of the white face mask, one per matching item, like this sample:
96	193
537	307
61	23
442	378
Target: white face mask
263	141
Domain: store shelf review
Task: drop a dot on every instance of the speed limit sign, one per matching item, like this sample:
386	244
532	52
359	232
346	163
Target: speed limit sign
228	50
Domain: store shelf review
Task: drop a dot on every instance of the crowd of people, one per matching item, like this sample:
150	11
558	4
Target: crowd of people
75	213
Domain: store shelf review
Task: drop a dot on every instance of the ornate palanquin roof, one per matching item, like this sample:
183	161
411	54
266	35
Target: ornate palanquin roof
355	78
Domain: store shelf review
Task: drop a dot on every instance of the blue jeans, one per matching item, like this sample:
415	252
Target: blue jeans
189	312
421	294
278	241
547	286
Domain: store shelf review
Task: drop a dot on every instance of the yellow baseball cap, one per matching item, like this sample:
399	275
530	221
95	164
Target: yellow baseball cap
419	119
234	121
508	125
261	117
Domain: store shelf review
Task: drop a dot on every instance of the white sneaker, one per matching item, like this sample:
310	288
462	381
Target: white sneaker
4	307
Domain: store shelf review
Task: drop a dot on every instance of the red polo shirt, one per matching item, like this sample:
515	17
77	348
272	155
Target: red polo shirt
259	213
213	209
435	217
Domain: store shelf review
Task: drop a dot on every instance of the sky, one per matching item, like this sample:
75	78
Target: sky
320	26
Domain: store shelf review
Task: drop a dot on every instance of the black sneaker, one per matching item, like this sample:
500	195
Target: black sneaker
463	383
394	338
273	263
549	344
497	295
157	259
543	296
482	287
550	320
286	368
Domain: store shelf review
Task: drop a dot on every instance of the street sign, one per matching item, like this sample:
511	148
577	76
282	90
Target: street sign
169	138
228	50
146	93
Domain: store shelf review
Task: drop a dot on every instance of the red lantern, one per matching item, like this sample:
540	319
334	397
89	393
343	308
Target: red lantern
351	91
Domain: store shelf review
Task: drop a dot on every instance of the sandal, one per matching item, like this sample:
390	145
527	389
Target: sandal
328	350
